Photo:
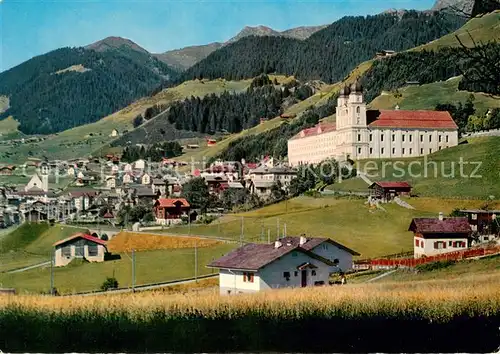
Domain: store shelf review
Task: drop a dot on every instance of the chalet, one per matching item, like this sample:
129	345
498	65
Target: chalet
263	178
192	146
288	262
71	171
7	170
82	200
127	167
159	185
433	236
114	133
211	142
79	245
389	190
216	184
385	53
145	194
286	116
485	224
128	178
171	211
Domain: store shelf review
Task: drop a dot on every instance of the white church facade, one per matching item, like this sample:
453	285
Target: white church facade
372	134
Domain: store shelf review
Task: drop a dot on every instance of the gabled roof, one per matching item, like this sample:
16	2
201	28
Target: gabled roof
313	242
255	256
410	119
81	235
387	184
434	225
172	202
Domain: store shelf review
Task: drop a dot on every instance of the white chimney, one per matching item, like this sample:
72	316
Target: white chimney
441	216
302	240
277	244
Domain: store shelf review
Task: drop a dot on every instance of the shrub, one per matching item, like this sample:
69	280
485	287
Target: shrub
109	284
429	267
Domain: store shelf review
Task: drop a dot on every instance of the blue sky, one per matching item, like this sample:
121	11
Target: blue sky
32	27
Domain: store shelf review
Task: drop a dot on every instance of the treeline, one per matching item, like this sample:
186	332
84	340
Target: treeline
274	142
329	54
153	152
234	112
45	99
431	66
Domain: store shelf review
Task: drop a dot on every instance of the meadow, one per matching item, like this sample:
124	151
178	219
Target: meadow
369	231
440	174
157	259
353	318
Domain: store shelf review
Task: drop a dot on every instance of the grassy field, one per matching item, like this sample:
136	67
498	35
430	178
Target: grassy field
439	174
128	241
371	232
483	29
151	267
30	244
361	314
417	97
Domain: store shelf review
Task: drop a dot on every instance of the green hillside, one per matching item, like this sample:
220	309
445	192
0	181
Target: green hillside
482	29
88	138
31	244
439	174
429	95
75	86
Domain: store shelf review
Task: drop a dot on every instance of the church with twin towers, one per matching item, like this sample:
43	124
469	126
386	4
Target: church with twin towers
359	133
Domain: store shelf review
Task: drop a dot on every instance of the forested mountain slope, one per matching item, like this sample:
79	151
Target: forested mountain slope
329	54
69	87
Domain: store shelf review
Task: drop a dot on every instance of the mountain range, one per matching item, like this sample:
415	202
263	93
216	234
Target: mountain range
184	58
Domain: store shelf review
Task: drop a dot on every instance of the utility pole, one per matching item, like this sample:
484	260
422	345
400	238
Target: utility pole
284	230
269	236
241	234
196	260
52	273
277	228
261	232
189	224
133	270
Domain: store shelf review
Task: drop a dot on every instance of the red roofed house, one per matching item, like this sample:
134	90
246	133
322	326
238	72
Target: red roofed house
171	211
388	190
79	245
359	133
288	262
433	236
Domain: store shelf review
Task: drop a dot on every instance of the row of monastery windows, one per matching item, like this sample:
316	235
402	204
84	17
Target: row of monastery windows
403	151
410	138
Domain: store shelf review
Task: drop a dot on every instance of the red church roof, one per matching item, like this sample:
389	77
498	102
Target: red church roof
412	119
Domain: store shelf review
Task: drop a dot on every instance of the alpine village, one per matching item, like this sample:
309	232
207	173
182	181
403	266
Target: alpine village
311	190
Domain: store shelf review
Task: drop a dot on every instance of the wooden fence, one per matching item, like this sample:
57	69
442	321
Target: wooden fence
413	262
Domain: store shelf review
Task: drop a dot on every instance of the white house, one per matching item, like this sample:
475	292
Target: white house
38	181
71	171
434	236
127	178
127	167
110	181
140	164
288	262
114	133
79	245
146	179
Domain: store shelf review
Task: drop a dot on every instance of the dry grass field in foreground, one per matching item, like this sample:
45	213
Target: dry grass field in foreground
128	241
432	299
385	317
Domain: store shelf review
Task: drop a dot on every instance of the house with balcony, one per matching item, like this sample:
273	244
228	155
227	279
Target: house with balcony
169	211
